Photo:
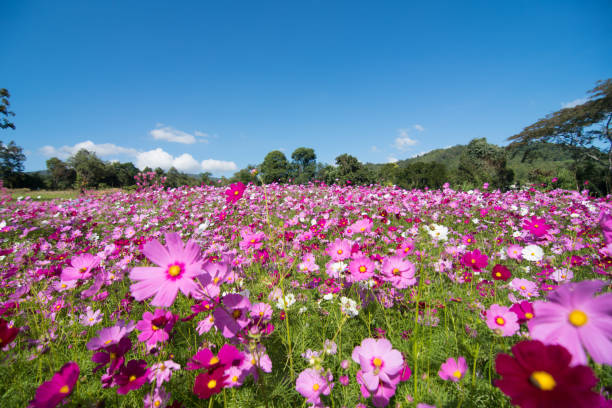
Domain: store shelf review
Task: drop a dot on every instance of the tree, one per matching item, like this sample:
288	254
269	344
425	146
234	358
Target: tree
421	175
349	168
580	129
275	167
61	176
245	175
90	169
305	164
11	163
482	163
4	104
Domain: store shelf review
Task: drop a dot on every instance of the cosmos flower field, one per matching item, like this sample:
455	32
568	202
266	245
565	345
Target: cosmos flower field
294	296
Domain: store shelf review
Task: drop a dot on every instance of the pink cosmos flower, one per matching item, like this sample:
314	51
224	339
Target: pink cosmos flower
234	316
110	335
605	222
50	393
576	320
502	321
162	372
234	192
361	268
515	251
379	363
339	250
524	311
178	265
361	226
81	267
475	260
311	384
452	369
399	272
536	226
525	287
251	240
156	327
406	248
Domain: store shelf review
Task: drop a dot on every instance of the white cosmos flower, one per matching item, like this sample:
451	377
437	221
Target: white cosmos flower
533	253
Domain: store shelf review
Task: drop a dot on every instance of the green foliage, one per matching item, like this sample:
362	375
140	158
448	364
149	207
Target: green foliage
11	163
350	170
482	163
304	165
275	168
61	177
245	175
421	175
4	104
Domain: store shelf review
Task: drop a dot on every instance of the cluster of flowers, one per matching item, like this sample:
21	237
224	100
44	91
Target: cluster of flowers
149	180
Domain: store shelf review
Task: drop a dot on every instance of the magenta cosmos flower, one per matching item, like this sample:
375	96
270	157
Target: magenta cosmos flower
537	226
178	265
234	316
475	260
51	393
541	376
132	376
576	320
379	363
156	327
81	267
311	384
452	369
234	192
502	321
398	272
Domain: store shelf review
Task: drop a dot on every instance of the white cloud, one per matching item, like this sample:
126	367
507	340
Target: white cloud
392	159
403	141
419	128
160	158
374	148
221	166
170	134
573	103
103	149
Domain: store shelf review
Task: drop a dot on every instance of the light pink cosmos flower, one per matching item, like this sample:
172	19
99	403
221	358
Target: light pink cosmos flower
576	320
311	384
81	267
452	369
178	265
398	272
110	335
234	316
525	287
162	372
361	268
339	250
502	321
515	251
379	362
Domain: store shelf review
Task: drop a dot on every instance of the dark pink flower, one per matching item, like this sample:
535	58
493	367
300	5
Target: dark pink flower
475	260
156	327
132	376
234	192
50	393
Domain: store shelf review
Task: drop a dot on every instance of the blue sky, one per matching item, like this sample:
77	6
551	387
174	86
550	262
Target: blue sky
217	85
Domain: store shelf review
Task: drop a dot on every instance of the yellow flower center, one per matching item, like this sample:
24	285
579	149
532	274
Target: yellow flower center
154	327
529	315
457	374
83	270
235	378
578	318
498	274
315	387
212	384
536	225
157	403
377	362
236	313
214	360
396	271
216	280
174	270
500	320
473	261
113	356
523	287
132	378
64	285
64	390
542	380
252	241
362	229
339	252
236	192
362	269
107	342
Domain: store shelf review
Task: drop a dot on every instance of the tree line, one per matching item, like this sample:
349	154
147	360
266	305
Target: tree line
572	146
